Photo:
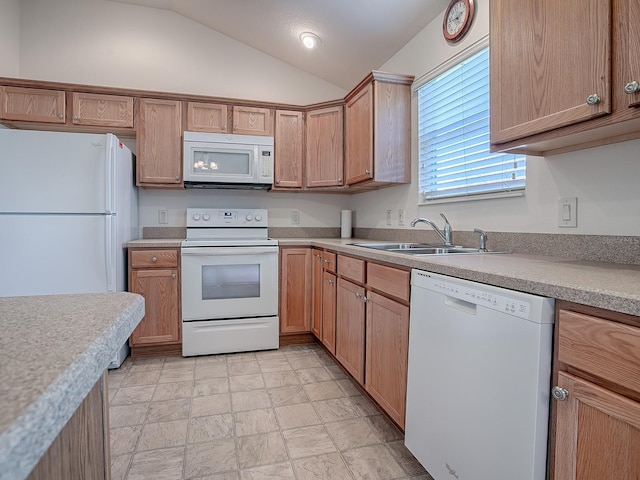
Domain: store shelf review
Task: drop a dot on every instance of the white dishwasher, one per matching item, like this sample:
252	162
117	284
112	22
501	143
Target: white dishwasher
479	379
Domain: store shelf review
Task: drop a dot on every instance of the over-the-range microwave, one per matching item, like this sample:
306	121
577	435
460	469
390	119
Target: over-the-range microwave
221	160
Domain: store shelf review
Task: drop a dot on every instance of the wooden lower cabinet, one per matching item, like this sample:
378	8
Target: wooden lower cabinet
155	274
329	311
81	449
317	286
597	433
387	348
350	328
295	290
596	407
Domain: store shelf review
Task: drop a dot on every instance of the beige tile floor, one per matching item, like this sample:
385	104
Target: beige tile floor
283	414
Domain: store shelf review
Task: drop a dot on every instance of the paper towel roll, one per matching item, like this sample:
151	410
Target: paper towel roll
345	223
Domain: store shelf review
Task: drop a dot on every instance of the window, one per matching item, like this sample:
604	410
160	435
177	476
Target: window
453	135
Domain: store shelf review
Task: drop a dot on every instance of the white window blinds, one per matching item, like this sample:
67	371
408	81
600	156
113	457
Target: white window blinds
453	135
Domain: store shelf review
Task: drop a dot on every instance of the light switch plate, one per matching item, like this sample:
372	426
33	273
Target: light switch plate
295	217
568	212
163	217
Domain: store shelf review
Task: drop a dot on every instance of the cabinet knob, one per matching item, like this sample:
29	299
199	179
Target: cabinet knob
154	259
331	282
75	117
358	294
631	87
339	179
559	393
278	181
173	275
326	262
223	127
593	99
177	177
235	127
60	116
367	172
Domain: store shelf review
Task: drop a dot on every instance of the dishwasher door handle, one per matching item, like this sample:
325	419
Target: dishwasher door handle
462	305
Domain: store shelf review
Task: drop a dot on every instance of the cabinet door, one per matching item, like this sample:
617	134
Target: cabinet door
102	110
350	338
324	147
288	149
161	322
359	136
206	117
632	65
252	121
547	58
597	433
316	312
329	311
159	145
387	350
33	105
295	290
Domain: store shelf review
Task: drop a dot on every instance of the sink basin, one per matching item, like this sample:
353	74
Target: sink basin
420	248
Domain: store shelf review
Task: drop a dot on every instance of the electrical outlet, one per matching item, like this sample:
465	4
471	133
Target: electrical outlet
295	217
401	217
388	217
163	217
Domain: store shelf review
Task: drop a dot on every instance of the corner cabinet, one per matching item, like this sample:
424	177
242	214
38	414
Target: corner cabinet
324	157
155	274
564	75
289	149
159	144
295	290
596	414
378	131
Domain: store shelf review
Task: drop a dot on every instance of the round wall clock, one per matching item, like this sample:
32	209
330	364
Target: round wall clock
457	20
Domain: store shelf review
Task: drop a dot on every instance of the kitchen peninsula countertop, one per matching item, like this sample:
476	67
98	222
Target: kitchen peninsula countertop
54	349
612	286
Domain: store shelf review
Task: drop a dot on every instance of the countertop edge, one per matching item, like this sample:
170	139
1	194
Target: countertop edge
33	431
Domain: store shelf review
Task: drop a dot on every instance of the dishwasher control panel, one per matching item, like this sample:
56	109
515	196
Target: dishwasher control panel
485	296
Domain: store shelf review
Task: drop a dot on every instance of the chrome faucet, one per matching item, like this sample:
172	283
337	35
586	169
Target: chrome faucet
483	239
446	232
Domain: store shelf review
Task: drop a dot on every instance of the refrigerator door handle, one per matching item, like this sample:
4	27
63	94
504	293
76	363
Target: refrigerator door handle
110	174
109	253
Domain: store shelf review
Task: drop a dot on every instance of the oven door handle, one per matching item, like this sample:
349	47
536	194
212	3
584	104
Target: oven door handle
214	251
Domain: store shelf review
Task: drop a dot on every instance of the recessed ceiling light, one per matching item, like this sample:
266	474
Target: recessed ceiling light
310	40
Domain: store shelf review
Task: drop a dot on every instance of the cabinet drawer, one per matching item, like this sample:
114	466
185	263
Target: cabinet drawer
147	257
329	262
389	280
351	268
600	347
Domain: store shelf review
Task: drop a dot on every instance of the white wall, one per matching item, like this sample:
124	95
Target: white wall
106	43
10	38
605	179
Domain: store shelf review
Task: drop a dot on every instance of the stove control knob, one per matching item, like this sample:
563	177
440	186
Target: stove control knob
249	217
196	217
258	218
206	217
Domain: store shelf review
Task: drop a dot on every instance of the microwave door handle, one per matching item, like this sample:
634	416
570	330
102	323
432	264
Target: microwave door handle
215	251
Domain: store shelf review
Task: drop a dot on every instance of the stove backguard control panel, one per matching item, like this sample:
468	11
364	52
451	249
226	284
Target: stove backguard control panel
232	217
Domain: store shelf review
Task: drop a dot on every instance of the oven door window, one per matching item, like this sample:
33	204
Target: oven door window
230	281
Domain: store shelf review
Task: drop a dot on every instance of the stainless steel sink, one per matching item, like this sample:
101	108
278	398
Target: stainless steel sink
421	248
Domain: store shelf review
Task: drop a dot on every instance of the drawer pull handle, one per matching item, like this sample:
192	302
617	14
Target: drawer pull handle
154	259
559	393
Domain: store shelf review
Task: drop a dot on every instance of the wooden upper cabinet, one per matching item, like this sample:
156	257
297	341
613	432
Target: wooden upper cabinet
378	131
324	147
159	145
101	110
207	117
252	121
288	141
33	105
547	59
630	76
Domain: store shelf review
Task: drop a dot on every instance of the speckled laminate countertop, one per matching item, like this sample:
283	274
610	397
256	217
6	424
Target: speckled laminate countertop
54	349
599	284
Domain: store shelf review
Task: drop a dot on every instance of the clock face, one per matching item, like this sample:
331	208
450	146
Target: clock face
457	20
456	17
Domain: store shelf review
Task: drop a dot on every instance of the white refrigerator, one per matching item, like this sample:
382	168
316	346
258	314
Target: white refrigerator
68	205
